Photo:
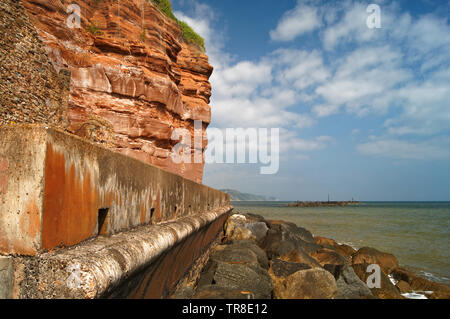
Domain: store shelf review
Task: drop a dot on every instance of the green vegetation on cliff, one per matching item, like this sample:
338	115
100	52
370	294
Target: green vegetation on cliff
189	34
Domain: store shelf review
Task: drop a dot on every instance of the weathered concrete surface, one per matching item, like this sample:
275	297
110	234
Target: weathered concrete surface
57	190
6	277
146	262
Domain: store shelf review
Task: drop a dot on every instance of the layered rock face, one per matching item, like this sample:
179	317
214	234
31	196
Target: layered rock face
133	78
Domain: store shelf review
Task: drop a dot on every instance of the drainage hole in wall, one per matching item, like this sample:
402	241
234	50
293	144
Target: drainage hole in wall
152	211
102	216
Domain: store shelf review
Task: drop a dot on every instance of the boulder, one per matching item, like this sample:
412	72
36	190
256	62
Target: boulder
299	256
281	268
245	227
185	292
307	284
349	286
334	269
252	246
344	250
245	278
293	229
418	283
241	233
328	256
239	266
283	238
387	289
207	275
325	242
233	222
258	230
219	292
368	255
235	255
403	286
254	218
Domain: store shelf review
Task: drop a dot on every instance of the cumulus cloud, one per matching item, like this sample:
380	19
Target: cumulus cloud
350	27
300	68
399	73
261	93
302	19
363	82
400	149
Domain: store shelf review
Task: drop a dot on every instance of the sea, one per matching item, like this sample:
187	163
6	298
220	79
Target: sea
417	233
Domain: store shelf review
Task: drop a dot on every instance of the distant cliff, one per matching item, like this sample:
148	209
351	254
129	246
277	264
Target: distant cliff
238	196
135	76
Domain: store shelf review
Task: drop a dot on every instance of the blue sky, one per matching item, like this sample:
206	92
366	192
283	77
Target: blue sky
363	113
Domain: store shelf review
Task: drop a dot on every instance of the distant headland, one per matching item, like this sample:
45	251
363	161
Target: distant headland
238	196
322	204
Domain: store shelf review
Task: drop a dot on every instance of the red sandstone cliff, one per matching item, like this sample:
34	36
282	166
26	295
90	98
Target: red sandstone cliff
133	78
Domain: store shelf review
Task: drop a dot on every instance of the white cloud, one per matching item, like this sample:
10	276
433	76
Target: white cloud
405	66
289	142
426	108
394	148
299	68
363	82
350	27
241	79
256	112
302	19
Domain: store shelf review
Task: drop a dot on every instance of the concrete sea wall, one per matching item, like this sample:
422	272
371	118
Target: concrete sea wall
58	193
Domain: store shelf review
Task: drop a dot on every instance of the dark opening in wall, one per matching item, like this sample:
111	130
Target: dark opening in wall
152	211
103	214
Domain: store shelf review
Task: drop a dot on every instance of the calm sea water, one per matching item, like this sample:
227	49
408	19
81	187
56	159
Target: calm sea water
417	233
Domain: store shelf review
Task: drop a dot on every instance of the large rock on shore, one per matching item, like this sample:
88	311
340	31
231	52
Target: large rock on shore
404	287
236	267
219	292
245	227
250	246
287	262
307	284
299	256
328	256
258	229
349	286
387	289
237	276
368	255
344	250
236	255
291	229
281	268
283	238
409	279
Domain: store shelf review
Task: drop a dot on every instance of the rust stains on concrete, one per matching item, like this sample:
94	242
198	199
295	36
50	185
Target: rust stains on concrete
70	203
60	184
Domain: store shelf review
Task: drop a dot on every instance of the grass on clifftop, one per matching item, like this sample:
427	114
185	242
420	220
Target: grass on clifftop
188	33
